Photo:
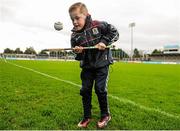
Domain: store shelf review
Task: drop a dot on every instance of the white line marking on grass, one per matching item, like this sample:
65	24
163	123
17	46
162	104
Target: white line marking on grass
126	101
44	74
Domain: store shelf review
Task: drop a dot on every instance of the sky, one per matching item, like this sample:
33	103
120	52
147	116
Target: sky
29	23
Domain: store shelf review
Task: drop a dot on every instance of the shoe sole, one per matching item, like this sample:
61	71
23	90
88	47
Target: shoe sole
84	126
105	124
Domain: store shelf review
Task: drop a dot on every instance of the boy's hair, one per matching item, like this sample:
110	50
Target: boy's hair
79	5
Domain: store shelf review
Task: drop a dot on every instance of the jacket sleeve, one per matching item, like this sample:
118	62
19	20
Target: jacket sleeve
109	33
79	56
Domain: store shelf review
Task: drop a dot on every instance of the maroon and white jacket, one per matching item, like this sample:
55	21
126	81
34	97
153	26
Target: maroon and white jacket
93	33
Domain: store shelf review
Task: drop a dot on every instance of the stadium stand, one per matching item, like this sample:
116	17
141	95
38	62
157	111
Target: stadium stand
171	53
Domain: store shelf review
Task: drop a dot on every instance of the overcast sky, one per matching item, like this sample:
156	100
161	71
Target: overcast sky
25	23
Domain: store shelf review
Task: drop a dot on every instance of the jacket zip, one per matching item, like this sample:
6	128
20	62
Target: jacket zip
90	56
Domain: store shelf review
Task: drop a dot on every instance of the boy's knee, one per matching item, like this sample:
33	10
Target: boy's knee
100	91
85	91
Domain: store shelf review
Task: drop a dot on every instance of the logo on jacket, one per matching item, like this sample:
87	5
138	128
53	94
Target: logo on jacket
77	38
95	31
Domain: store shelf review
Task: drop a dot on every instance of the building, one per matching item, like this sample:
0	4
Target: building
171	49
171	53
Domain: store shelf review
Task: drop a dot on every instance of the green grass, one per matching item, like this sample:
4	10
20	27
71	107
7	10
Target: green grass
31	101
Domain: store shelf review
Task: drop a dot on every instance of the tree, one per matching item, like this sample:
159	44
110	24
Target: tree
43	52
18	51
9	51
30	50
119	53
156	51
136	53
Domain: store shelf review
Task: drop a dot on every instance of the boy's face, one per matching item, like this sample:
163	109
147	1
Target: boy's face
78	19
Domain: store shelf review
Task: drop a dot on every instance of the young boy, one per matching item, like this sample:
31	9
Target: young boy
94	62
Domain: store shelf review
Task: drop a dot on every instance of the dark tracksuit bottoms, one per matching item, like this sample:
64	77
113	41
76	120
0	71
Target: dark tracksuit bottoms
99	78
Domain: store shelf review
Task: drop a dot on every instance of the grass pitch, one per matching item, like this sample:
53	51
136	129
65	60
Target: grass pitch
141	96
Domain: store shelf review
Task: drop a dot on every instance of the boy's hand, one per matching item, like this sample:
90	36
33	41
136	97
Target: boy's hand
101	46
78	49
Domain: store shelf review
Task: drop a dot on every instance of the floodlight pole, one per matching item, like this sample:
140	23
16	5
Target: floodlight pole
131	25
